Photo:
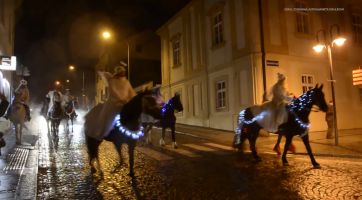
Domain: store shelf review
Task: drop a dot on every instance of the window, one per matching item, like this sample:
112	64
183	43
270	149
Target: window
302	18
217	22
307	82
360	94
139	48
221	95
357	27
176	53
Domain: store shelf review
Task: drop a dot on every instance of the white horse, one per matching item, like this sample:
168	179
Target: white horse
18	117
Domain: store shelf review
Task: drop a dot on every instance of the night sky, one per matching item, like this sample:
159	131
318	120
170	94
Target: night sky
50	35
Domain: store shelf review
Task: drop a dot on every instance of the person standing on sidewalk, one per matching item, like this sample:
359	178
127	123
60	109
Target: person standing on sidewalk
330	122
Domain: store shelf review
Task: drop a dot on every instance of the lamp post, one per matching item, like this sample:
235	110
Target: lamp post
128	60
83	92
319	47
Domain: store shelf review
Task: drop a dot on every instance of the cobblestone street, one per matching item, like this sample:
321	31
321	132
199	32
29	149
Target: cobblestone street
199	169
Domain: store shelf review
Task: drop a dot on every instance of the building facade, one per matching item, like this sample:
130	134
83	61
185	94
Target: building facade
221	56
145	60
7	17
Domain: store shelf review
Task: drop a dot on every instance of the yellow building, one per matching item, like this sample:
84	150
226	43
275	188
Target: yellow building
212	53
7	18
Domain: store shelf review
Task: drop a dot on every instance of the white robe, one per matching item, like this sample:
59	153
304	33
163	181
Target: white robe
101	120
53	98
24	94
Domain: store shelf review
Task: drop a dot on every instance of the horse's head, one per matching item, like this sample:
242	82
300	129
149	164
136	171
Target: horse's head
144	102
318	98
176	103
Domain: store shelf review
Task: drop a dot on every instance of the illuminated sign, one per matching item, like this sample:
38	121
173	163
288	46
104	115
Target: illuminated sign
357	77
8	63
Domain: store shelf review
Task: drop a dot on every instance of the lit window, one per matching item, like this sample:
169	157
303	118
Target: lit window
357	26
176	53
307	82
218	33
302	17
221	94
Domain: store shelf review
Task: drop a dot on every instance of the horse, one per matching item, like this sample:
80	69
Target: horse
44	112
168	120
55	116
70	111
18	117
126	130
296	124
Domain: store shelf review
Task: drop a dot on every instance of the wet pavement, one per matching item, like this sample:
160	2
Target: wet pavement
199	169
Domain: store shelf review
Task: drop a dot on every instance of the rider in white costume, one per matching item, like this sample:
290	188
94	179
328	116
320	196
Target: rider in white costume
23	90
120	92
54	96
159	98
274	111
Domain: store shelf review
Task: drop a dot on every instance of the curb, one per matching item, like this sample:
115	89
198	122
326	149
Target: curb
315	154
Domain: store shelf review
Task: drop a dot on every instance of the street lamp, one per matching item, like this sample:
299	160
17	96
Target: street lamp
319	47
106	35
58	83
67	81
71	67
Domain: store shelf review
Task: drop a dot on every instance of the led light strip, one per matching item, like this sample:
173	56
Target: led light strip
135	135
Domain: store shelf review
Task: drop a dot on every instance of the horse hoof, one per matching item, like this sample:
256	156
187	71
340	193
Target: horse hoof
286	164
258	159
132	175
317	166
162	142
174	145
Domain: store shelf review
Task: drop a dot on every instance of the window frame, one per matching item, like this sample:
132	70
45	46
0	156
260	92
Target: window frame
176	51
356	26
222	91
307	84
218	37
302	14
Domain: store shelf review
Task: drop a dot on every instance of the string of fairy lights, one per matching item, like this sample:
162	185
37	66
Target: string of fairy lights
134	134
304	101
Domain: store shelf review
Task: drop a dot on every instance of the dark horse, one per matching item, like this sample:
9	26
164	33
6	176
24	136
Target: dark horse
70	111
297	124
126	130
44	112
55	116
168	120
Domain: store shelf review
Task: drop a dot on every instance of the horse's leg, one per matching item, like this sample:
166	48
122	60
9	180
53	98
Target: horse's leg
252	136
16	133
131	147
117	139
21	132
309	149
92	146
288	141
149	131
174	144
277	145
162	140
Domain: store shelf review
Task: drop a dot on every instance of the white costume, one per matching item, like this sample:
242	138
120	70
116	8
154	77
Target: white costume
274	111
120	92
55	96
24	92
67	97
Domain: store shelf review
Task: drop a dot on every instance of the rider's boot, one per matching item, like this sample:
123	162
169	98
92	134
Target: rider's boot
277	149
292	148
174	145
162	142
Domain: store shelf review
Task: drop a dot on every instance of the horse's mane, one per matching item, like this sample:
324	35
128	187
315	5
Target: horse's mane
132	110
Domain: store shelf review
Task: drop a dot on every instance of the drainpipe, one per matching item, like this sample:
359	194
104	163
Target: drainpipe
262	44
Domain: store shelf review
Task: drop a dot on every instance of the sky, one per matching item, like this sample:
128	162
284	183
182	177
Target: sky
50	35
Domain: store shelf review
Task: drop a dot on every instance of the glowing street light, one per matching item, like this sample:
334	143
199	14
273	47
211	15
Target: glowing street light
71	67
106	35
67	81
318	48
57	82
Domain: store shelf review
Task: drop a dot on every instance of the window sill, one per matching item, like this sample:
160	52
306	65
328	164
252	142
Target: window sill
218	46
224	109
304	36
176	66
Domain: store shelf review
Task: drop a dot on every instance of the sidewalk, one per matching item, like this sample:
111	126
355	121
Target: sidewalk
350	141
18	166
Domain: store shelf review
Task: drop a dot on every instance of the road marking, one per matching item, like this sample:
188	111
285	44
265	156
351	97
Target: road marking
220	146
183	152
154	154
201	148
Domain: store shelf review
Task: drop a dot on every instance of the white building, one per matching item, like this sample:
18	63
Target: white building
213	51
7	17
